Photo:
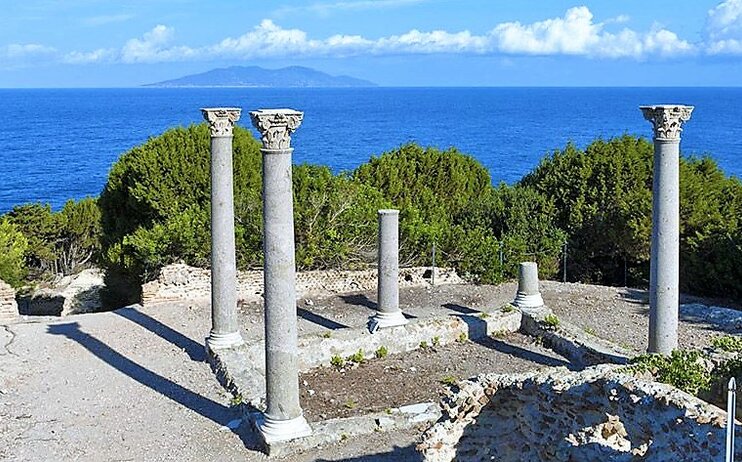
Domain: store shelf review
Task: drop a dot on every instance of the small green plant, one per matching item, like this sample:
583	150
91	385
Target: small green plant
337	361
388	410
236	400
423	345
462	338
356	357
551	320
484	315
381	352
500	334
343	436
327	335
683	369
435	341
507	308
590	331
730	343
449	380
350	404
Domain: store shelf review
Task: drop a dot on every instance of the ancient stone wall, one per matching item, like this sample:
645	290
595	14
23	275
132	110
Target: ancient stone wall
79	293
558	415
183	282
8	306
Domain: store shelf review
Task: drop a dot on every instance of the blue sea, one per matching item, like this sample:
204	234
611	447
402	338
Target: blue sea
60	144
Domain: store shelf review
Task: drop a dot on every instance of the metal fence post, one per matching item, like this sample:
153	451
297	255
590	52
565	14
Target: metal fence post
731	408
564	263
432	277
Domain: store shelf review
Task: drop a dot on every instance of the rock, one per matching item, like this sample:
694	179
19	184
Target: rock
8	305
75	294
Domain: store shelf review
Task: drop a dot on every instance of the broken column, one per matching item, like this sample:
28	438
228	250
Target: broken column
528	295
389	314
665	248
224	327
283	418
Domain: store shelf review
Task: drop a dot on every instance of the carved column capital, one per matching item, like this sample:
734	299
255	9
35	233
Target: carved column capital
667	121
221	120
276	126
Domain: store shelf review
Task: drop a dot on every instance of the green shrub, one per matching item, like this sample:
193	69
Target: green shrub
730	343
59	242
551	320
156	204
13	247
337	361
358	357
683	369
381	352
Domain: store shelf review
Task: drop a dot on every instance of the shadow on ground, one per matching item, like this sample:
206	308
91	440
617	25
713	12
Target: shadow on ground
195	350
398	454
201	405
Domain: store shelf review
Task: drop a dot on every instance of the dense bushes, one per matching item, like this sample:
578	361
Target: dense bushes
603	201
63	242
13	247
155	210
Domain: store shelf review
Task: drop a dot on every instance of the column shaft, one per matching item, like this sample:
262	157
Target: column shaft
665	250
224	327
388	272
281	350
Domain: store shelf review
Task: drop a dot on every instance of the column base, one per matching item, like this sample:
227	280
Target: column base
383	319
273	430
217	341
528	301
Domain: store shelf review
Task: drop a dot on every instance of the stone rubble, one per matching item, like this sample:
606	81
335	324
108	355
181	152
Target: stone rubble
8	305
558	415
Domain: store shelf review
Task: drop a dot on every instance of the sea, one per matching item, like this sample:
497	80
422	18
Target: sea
57	144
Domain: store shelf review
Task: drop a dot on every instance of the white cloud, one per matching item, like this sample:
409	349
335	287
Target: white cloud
154	47
25	50
577	34
724	28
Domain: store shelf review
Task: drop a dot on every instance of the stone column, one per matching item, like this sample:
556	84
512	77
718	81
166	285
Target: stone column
528	295
665	251
283	418
224	327
389	314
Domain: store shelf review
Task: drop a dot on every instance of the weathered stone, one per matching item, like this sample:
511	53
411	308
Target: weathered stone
528	295
389	314
182	282
559	415
76	294
224	328
8	305
664	269
283	418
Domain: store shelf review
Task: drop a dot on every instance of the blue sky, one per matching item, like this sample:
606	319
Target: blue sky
97	43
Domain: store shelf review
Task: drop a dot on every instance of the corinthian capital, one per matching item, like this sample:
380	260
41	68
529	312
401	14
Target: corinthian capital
276	126
667	120
221	119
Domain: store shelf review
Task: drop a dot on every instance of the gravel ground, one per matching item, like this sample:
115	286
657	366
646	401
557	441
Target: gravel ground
132	384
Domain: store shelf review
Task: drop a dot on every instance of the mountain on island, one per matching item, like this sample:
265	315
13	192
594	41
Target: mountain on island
254	76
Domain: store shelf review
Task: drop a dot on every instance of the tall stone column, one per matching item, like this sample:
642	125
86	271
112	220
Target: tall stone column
283	418
389	314
665	251
224	327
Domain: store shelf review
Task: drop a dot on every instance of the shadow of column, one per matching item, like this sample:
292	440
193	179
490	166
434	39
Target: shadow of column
201	405
195	350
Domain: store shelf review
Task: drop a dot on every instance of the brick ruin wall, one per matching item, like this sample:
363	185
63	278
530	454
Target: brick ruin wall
598	414
8	305
182	282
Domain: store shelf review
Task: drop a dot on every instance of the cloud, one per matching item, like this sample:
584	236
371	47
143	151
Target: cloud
153	47
724	28
577	34
26	50
90	57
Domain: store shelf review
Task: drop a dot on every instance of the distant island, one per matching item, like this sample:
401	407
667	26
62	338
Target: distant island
254	76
